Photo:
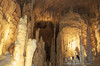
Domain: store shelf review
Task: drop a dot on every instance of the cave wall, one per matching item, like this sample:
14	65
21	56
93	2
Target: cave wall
9	18
49	10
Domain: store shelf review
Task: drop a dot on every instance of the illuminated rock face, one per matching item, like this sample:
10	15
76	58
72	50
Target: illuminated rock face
18	54
97	37
71	27
71	41
74	27
9	18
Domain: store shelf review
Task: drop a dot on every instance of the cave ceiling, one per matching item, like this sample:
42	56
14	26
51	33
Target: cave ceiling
60	7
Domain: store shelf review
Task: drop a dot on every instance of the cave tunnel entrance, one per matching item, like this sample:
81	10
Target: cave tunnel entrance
70	43
47	33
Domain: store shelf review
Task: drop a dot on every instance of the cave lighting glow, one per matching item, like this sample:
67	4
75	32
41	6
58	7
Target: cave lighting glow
7	32
73	45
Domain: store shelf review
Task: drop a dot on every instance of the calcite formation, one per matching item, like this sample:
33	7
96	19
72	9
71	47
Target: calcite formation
59	28
30	49
39	56
23	51
18	55
28	10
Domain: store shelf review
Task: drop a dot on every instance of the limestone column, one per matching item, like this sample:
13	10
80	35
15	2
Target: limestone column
18	55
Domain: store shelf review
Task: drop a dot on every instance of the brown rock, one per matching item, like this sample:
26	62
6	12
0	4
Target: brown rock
0	0
27	9
1	14
39	56
11	8
18	12
4	4
16	17
11	48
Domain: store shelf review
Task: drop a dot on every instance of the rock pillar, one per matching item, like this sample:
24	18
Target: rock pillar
18	55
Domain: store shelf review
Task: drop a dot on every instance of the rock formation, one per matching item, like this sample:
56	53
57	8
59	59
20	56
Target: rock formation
30	49
19	51
39	56
9	18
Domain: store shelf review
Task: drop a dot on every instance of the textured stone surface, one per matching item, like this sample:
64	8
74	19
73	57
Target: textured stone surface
30	49
9	18
18	58
71	26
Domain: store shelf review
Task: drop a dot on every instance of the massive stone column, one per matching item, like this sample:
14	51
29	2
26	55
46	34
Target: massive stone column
18	55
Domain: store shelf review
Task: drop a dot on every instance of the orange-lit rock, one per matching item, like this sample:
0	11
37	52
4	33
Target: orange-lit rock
8	23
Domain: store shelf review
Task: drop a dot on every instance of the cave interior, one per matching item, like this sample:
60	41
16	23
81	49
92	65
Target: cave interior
49	32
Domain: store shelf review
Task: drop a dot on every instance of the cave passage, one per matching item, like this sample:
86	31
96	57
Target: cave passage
49	32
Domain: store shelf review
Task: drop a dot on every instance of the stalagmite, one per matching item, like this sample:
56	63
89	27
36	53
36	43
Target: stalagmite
39	56
18	56
30	48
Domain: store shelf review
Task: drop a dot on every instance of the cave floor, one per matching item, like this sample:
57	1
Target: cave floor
5	59
82	65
